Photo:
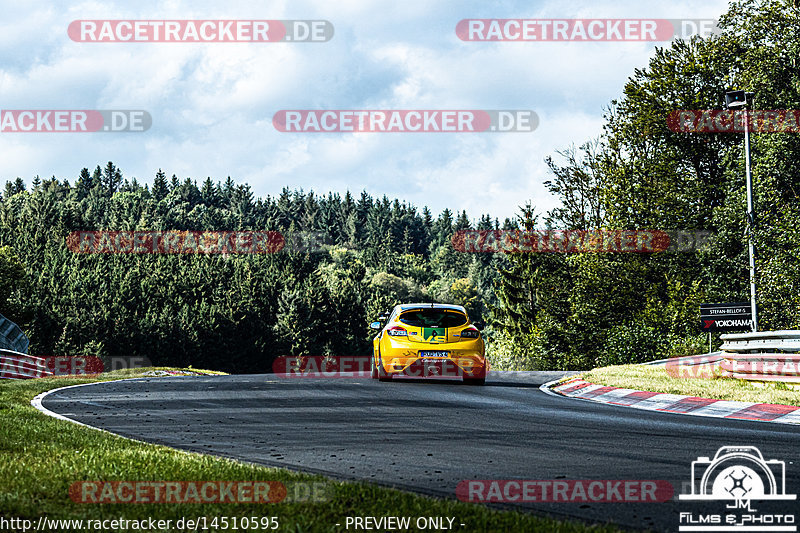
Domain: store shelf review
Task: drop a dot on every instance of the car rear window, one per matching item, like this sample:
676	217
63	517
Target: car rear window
433	318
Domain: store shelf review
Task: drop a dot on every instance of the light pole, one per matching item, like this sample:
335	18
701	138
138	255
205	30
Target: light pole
735	100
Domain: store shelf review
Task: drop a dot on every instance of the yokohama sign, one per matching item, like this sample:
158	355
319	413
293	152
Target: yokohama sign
726	317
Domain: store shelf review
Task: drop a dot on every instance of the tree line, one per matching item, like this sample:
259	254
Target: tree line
233	312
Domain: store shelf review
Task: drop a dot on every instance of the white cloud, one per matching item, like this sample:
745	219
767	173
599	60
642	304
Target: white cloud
212	104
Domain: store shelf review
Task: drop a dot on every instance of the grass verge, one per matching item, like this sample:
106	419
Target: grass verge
41	457
656	379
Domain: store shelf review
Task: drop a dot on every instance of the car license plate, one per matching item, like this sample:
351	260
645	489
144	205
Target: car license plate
432	354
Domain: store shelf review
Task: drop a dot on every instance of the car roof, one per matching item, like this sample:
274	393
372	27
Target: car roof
406	307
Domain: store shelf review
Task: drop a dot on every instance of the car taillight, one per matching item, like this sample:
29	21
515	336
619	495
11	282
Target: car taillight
397	331
470	333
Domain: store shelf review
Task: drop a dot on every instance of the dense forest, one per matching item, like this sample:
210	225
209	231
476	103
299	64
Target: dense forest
543	310
223	311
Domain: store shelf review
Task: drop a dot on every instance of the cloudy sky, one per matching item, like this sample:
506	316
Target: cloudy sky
212	103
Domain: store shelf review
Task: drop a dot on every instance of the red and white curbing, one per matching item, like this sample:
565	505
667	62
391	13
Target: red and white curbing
15	365
675	403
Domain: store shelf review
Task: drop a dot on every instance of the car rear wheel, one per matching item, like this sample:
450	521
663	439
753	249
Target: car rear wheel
478	379
378	372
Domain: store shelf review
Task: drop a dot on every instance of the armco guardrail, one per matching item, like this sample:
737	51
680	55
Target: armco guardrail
11	337
784	341
768	356
16	365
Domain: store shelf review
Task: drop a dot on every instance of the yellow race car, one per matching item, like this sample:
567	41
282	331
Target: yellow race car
429	340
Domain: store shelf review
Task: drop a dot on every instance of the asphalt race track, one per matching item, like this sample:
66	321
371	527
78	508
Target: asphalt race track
428	436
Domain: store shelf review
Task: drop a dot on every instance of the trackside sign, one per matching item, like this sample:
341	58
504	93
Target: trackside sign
726	317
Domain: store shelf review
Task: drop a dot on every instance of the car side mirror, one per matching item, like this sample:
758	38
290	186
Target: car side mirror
375	325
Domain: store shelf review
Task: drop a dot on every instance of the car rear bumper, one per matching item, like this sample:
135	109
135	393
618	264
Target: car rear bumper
454	366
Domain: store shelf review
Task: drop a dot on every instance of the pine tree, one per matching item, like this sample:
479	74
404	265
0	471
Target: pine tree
227	189
160	188
362	209
310	213
442	229
284	209
348	204
111	179
462	222
386	253
241	205
485	223
407	243
427	218
516	313
300	322
351	230
84	184
208	193
97	176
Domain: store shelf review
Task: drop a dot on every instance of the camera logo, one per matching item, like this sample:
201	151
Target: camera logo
738	473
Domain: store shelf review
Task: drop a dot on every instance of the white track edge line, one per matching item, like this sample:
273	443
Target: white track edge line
36	402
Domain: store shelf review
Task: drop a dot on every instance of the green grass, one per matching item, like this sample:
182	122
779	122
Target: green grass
40	457
656	379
